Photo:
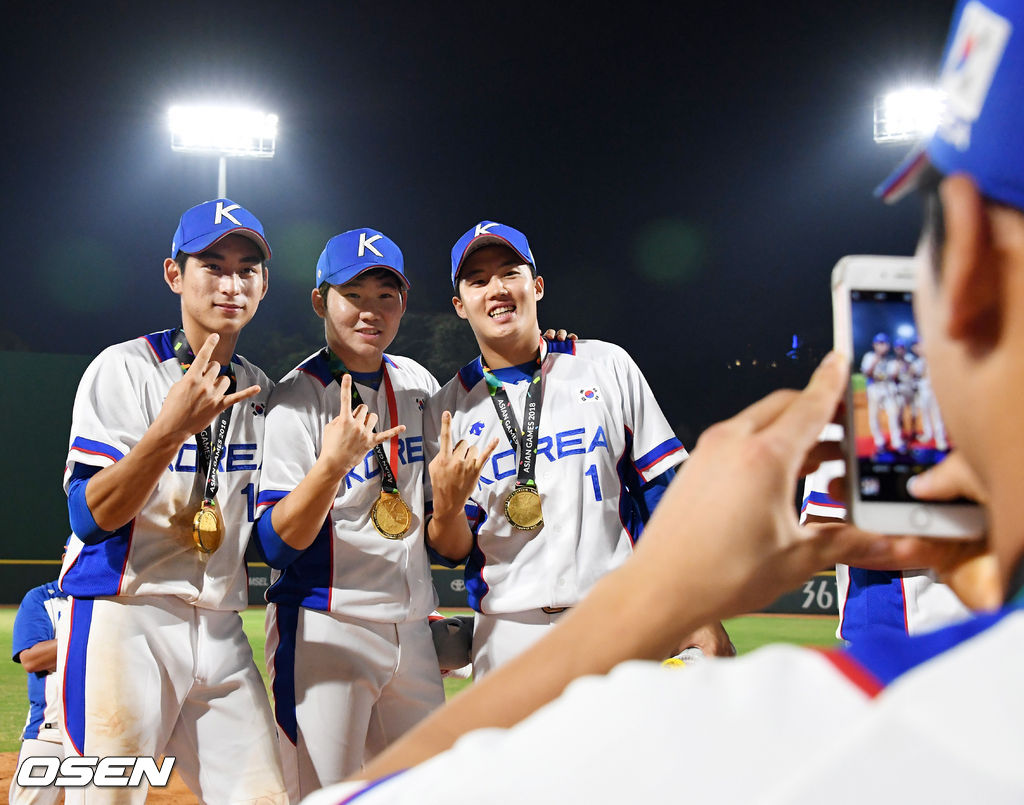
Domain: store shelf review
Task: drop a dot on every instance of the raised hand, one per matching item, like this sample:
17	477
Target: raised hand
455	470
196	400
350	436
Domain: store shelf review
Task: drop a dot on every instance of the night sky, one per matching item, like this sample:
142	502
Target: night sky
687	174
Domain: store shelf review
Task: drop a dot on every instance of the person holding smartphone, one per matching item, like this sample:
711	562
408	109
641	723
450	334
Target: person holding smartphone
937	715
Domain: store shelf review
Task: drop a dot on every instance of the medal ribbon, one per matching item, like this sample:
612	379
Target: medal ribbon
526	446
208	448
387	476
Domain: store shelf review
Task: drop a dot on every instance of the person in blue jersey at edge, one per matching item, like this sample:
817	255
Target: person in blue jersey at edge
34	647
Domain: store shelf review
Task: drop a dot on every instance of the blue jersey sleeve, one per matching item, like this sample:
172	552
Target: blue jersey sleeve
274	550
32	624
82	521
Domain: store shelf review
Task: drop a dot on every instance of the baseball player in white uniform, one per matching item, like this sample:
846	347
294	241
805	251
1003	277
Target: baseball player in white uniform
583	453
881	388
341	515
34	646
929	718
161	477
929	415
873	602
903	385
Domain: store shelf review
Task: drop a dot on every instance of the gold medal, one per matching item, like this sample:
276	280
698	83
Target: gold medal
522	508
391	517
207	528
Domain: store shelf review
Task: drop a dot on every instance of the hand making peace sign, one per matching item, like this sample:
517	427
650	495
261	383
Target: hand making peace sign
196	400
454	471
350	435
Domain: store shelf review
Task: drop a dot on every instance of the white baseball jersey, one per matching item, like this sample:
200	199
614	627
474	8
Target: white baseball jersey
118	398
882	396
928	413
929	718
870	601
350	568
353	601
602	435
903	380
874	367
154	643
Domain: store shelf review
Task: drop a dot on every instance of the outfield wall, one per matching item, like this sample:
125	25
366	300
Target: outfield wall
36	397
817	596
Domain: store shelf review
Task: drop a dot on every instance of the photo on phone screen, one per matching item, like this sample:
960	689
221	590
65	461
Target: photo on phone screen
897	427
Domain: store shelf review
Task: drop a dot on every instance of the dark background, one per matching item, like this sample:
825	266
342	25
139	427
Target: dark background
687	173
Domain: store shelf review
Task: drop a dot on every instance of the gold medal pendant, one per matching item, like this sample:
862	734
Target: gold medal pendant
391	517
207	528
522	508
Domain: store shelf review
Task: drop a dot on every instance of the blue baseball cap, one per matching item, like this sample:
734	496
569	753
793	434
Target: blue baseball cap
982	80
880	338
490	233
206	223
351	253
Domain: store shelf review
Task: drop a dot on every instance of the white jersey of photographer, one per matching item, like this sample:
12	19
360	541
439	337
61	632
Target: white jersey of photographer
935	719
119	397
600	429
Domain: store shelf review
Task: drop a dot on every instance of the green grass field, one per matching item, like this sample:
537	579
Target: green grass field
747	633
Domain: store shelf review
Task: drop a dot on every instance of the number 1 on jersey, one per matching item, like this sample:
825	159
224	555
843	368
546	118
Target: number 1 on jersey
250	500
592	472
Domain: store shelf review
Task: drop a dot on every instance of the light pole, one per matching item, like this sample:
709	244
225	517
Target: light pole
225	131
907	115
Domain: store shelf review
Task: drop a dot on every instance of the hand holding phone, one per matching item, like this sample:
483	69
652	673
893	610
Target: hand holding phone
894	430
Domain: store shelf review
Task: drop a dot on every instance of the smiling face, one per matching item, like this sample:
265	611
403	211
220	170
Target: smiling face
220	288
361	317
498	295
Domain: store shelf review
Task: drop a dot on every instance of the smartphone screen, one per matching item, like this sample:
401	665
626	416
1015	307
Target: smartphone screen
898	429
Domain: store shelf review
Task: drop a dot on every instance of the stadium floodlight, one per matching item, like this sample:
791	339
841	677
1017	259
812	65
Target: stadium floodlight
906	331
907	115
225	131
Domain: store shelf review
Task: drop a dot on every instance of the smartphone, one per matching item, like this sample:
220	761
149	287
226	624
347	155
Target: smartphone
893	429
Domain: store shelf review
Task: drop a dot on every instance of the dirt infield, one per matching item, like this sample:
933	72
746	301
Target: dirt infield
174	794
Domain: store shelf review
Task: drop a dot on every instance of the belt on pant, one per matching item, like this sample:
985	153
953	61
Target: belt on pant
553	610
